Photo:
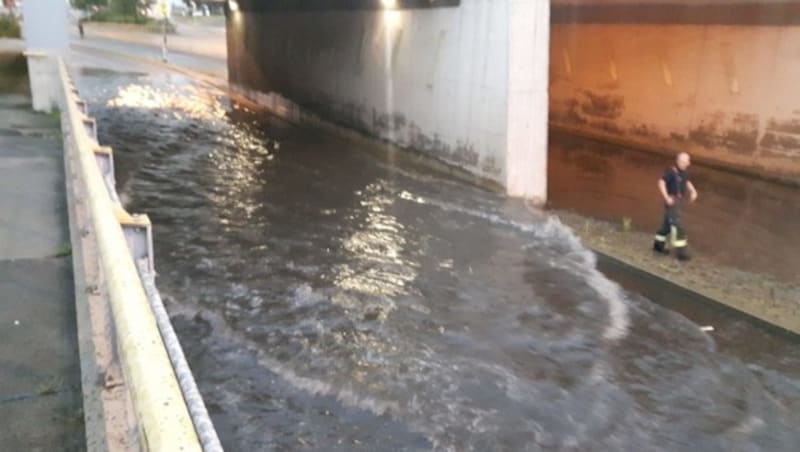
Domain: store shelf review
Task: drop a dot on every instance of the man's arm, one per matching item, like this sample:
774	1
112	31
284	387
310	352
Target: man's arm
692	191
662	187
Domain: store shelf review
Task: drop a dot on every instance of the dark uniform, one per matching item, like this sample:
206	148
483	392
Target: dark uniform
671	229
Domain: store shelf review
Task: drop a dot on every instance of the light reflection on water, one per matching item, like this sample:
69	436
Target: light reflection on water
182	100
379	245
329	301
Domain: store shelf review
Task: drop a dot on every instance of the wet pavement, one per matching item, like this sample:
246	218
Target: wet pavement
738	221
40	392
189	38
115	44
329	299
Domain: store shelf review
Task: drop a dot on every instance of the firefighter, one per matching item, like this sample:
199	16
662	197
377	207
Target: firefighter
676	189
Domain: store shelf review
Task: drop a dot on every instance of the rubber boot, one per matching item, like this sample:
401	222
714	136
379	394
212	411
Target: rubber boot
660	247
682	254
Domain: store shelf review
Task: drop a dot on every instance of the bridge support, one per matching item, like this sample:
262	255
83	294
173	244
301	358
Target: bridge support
528	65
464	82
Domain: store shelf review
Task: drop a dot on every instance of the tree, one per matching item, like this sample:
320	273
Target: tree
130	8
87	4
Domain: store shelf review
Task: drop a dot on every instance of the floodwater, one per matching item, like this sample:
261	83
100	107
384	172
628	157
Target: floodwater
330	299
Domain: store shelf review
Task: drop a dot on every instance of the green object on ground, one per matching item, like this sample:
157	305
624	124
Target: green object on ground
627	224
65	250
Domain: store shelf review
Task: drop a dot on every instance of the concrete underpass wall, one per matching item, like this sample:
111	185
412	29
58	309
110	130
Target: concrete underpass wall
435	80
727	93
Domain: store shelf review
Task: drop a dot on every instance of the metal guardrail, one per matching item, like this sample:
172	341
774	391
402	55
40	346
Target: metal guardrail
169	410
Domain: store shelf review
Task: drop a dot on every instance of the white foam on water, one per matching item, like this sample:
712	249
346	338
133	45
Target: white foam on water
345	395
749	425
434	419
553	230
205	264
304	295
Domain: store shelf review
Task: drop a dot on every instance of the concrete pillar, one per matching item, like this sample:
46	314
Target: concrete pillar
44	28
43	75
528	69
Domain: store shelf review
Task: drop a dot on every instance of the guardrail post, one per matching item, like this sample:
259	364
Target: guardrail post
139	233
91	127
83	107
105	160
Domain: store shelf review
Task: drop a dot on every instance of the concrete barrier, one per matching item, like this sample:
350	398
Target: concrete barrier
169	415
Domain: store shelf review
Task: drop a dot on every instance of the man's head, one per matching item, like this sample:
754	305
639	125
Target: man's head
683	161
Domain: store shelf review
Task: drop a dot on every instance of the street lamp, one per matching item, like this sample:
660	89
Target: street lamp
164	8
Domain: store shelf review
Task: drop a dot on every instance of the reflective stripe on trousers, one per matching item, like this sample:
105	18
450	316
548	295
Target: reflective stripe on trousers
671	229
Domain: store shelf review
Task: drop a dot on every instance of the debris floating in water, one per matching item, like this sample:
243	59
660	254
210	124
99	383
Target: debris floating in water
707	328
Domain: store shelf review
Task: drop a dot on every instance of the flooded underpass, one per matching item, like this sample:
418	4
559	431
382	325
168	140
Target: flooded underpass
331	299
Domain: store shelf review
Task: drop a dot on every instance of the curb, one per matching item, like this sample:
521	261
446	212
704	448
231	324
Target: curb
606	260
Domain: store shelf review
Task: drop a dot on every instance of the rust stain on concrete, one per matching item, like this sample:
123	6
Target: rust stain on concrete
602	105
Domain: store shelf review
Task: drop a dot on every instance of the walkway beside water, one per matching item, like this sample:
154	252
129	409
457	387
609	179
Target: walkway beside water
739	230
40	391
